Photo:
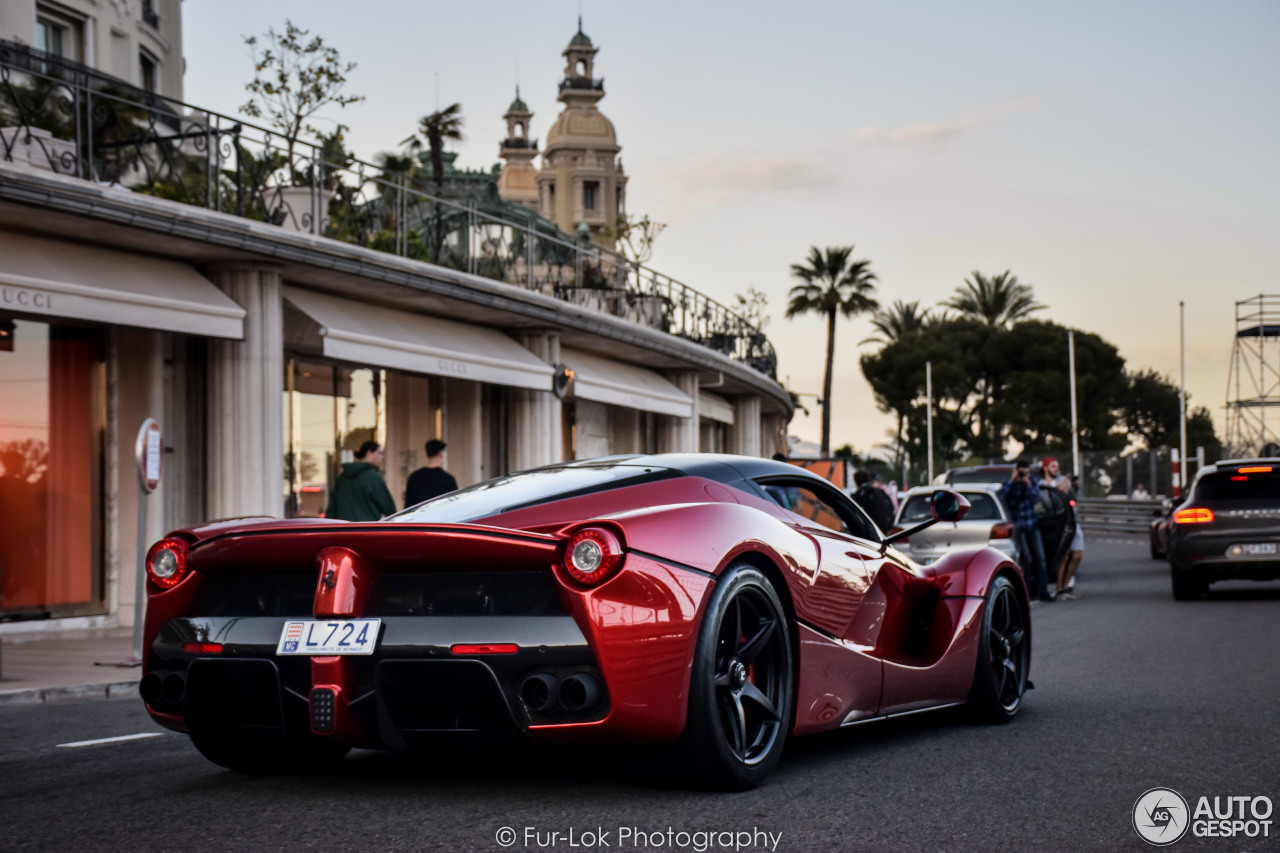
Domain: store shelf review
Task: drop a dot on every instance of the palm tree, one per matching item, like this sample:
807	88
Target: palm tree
434	130
831	284
897	322
999	301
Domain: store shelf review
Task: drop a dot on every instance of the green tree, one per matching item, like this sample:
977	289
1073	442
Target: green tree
434	130
898	321
999	301
831	284
634	237
294	78
1151	409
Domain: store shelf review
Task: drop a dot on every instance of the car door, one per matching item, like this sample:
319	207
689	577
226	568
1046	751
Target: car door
1056	520
842	601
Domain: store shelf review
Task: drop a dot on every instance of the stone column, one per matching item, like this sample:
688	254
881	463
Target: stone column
773	435
534	423
745	436
681	435
246	387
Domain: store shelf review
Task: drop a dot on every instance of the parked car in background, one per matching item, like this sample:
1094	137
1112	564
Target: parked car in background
1228	528
978	475
987	523
1160	529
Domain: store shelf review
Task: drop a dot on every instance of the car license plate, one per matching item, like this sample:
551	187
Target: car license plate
329	637
1258	549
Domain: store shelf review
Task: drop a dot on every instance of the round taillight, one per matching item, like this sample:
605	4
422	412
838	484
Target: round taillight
592	555
167	562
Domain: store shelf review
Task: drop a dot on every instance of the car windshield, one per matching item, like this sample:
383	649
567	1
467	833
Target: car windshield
1235	486
530	488
983	507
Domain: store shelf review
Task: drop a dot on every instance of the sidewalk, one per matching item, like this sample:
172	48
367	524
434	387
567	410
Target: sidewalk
65	667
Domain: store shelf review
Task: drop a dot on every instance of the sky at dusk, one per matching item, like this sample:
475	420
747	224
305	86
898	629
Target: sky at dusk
1119	157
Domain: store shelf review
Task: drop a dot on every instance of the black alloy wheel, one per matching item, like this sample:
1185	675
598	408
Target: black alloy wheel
1004	654
1188	584
741	690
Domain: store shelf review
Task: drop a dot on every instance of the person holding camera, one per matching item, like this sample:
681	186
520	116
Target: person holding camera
1021	495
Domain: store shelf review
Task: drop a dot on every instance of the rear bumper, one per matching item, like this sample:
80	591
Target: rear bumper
626	646
1214	556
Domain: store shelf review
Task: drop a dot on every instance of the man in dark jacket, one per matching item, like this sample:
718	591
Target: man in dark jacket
1021	495
873	500
432	480
360	493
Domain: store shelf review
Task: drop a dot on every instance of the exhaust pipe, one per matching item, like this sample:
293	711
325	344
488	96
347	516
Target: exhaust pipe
149	688
174	688
580	692
538	692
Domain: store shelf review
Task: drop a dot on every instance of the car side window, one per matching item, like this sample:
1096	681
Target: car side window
824	507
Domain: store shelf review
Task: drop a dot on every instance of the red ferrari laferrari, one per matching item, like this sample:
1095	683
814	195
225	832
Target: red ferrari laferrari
716	603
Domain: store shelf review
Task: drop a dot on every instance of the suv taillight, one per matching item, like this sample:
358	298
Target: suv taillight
1193	515
1002	530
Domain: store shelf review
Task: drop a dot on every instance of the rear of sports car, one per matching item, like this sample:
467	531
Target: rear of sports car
393	635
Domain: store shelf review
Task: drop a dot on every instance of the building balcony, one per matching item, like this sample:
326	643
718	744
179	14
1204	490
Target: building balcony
65	120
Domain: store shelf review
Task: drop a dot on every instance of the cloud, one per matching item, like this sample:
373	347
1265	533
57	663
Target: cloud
929	132
733	176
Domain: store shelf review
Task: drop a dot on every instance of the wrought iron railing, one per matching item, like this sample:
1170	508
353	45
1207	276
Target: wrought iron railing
59	116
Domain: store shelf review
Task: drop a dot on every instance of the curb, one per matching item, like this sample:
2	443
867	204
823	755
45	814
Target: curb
74	693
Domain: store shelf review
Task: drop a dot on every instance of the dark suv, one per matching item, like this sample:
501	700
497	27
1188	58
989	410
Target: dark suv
1229	527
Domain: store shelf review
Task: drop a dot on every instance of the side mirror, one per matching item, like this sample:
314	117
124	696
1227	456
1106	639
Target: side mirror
945	505
948	506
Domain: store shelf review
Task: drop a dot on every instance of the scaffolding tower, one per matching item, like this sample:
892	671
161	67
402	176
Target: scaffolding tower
1253	384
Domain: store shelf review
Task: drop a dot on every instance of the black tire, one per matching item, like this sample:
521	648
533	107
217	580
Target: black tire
1004	654
741	690
259	753
1188	585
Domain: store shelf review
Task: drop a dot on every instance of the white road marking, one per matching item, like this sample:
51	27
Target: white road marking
120	739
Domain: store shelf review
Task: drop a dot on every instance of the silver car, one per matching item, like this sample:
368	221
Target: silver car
987	523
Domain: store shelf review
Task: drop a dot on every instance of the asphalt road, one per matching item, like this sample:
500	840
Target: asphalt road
1133	691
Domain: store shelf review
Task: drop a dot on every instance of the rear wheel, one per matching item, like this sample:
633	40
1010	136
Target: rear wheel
1004	654
1188	585
740	693
252	752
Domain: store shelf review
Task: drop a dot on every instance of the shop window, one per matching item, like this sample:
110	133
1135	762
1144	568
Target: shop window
51	427
329	411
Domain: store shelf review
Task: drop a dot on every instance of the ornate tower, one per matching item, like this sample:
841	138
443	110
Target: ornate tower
518	180
581	182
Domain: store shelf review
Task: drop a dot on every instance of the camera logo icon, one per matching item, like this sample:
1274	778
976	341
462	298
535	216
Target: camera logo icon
1161	817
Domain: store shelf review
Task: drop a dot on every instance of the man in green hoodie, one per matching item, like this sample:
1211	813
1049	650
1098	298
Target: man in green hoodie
360	493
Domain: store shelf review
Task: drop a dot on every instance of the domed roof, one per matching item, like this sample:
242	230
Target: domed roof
518	106
580	38
584	127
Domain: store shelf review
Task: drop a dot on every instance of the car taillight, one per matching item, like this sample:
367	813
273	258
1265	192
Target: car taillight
1003	530
202	648
1256	469
1193	515
167	562
592	555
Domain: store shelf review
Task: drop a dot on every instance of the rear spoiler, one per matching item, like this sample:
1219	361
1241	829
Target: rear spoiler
389	546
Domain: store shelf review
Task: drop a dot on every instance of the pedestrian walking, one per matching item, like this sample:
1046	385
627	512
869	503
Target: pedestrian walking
1021	494
873	500
431	480
360	493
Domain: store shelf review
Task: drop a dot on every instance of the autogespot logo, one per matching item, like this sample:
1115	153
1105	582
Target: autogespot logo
1160	816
